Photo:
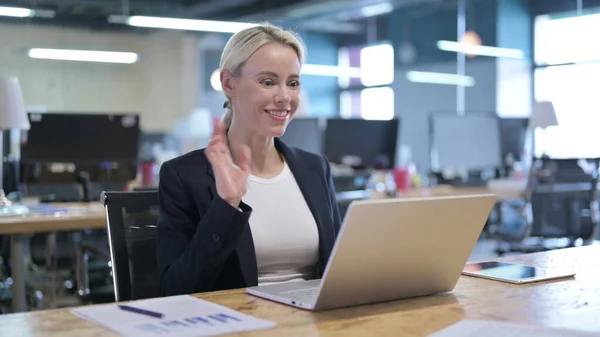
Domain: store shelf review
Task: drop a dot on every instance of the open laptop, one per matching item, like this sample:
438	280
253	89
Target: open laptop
392	249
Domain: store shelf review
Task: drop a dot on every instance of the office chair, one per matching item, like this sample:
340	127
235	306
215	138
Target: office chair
561	203
132	219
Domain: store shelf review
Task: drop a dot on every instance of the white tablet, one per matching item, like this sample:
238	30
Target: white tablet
514	273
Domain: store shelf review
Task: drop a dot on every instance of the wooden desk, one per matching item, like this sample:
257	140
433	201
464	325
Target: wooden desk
573	303
79	216
446	190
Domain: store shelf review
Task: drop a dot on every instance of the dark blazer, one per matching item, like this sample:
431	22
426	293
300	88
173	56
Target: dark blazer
205	244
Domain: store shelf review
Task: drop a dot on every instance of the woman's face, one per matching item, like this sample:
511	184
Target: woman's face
265	96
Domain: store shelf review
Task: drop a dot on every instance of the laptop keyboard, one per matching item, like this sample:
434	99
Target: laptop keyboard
308	295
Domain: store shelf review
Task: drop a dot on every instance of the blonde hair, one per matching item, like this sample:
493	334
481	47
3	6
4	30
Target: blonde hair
245	42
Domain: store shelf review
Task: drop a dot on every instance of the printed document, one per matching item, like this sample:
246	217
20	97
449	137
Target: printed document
182	316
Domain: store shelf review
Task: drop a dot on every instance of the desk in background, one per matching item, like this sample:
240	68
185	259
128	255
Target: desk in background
447	190
572	303
72	217
502	193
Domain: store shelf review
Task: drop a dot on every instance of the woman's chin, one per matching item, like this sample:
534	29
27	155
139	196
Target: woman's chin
276	131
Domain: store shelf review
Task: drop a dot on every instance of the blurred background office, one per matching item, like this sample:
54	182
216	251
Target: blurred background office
405	98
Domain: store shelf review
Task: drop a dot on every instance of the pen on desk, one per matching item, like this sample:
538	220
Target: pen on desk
141	311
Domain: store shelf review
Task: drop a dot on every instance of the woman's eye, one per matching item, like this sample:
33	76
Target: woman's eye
267	82
294	84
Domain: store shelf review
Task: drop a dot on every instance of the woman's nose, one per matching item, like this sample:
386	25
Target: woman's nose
283	96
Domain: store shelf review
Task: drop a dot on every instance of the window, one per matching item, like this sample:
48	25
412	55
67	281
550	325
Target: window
572	88
349	57
371	103
377	103
566	40
368	96
377	65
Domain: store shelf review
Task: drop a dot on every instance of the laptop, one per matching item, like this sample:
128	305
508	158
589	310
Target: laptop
392	249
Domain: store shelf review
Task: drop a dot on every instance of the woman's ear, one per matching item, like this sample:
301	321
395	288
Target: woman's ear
227	83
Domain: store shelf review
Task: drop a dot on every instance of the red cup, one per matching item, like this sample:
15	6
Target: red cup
402	178
147	170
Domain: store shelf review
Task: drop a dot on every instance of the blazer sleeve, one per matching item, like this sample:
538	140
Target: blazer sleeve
192	249
337	222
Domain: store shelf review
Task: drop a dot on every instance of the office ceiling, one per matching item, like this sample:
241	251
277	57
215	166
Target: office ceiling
208	9
336	16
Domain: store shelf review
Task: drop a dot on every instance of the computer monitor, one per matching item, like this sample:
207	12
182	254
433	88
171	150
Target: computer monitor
147	142
81	138
512	135
467	142
305	134
374	142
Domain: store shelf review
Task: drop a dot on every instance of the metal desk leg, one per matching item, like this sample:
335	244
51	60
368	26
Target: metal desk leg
17	246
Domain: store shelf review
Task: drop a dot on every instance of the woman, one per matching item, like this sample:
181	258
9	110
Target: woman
248	209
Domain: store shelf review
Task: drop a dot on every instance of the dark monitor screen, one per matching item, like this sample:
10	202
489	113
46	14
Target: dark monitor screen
369	140
305	134
81	138
512	136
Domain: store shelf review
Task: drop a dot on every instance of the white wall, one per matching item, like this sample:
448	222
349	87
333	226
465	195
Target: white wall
415	101
161	86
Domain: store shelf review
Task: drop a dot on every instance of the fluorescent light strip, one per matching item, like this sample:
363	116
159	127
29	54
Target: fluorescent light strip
377	9
181	24
83	55
458	47
16	12
333	71
440	78
19	12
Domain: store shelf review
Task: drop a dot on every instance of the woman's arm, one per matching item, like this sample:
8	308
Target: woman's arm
192	251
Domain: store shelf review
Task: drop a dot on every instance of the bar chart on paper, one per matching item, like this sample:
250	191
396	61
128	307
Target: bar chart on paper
182	316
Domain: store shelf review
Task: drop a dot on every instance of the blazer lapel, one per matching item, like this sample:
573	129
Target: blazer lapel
315	193
245	248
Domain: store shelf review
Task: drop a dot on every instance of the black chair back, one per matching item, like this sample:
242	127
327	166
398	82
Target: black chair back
564	201
132	219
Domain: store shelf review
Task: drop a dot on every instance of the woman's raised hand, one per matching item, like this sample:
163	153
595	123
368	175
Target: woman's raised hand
230	177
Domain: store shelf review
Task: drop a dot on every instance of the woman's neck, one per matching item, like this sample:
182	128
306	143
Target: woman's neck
265	160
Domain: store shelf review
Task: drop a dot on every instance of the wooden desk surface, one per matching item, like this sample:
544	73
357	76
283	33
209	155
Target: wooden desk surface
572	303
79	216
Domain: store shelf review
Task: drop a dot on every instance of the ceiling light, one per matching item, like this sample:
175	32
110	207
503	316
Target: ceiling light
440	78
181	24
19	12
83	55
375	10
470	49
16	12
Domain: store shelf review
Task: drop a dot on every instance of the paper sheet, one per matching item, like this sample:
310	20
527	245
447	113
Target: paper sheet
476	328
184	316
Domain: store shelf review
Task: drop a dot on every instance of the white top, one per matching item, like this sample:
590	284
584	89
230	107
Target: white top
286	238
